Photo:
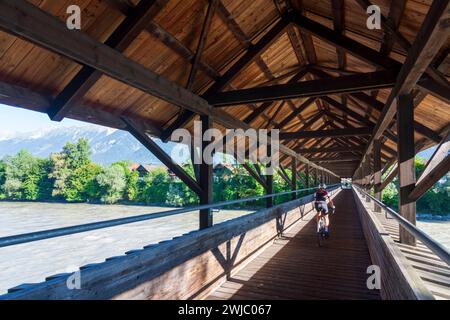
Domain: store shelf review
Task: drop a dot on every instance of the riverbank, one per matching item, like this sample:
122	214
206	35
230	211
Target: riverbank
432	217
124	203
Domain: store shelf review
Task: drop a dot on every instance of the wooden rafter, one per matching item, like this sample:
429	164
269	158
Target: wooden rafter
125	33
429	40
202	42
437	166
313	88
326	133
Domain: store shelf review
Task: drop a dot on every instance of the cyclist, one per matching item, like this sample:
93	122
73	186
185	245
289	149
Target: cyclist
320	197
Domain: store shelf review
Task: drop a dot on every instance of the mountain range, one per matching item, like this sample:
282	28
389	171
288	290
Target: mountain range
107	145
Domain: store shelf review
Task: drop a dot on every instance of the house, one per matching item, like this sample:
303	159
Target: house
224	170
144	169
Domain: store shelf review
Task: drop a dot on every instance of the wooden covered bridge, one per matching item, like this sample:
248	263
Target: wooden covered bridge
350	102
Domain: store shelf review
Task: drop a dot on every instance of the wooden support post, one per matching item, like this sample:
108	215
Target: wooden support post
377	169
315	177
195	166
206	180
308	179
362	175
269	181
294	177
269	190
407	172
368	174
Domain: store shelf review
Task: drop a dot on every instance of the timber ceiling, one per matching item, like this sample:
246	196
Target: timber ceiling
218	48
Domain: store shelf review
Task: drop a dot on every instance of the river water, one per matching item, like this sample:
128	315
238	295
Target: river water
32	262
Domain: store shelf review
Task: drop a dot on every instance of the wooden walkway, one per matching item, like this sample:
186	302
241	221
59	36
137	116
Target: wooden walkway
294	267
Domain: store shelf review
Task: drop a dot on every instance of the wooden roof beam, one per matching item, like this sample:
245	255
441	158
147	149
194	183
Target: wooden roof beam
295	113
253	51
325	133
26	98
201	43
335	160
313	88
329	150
391	27
261	109
341	41
377	105
357	49
120	39
429	40
338	7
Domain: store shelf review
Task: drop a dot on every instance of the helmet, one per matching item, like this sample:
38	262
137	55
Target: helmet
322	186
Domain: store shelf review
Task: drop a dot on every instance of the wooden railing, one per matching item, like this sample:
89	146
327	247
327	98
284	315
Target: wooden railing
398	279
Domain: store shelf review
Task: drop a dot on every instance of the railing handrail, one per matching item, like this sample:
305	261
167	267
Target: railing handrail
432	244
59	232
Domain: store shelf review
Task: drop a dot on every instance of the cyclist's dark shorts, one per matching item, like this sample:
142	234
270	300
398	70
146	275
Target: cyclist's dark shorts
321	206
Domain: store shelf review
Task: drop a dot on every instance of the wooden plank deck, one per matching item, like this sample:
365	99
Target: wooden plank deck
431	269
295	267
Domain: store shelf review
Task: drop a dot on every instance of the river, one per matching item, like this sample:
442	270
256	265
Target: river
32	262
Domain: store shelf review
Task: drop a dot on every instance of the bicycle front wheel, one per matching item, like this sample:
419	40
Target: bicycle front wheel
320	238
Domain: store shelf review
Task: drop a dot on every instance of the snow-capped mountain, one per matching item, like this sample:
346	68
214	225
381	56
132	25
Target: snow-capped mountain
107	145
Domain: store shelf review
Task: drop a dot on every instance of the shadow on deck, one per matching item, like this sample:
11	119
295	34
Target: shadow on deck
295	267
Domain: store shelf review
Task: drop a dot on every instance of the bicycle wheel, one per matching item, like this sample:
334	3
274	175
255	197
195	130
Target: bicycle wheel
320	239
320	235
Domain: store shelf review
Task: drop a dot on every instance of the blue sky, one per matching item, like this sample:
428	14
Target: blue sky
20	120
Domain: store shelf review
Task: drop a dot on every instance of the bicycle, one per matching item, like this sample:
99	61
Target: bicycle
321	235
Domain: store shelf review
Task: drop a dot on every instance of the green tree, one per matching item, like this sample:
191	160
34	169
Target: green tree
2	178
155	187
131	192
112	183
37	185
82	185
241	185
18	168
280	185
59	173
67	167
77	154
132	188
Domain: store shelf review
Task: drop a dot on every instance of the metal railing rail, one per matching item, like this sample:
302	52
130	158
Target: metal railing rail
432	244
59	232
